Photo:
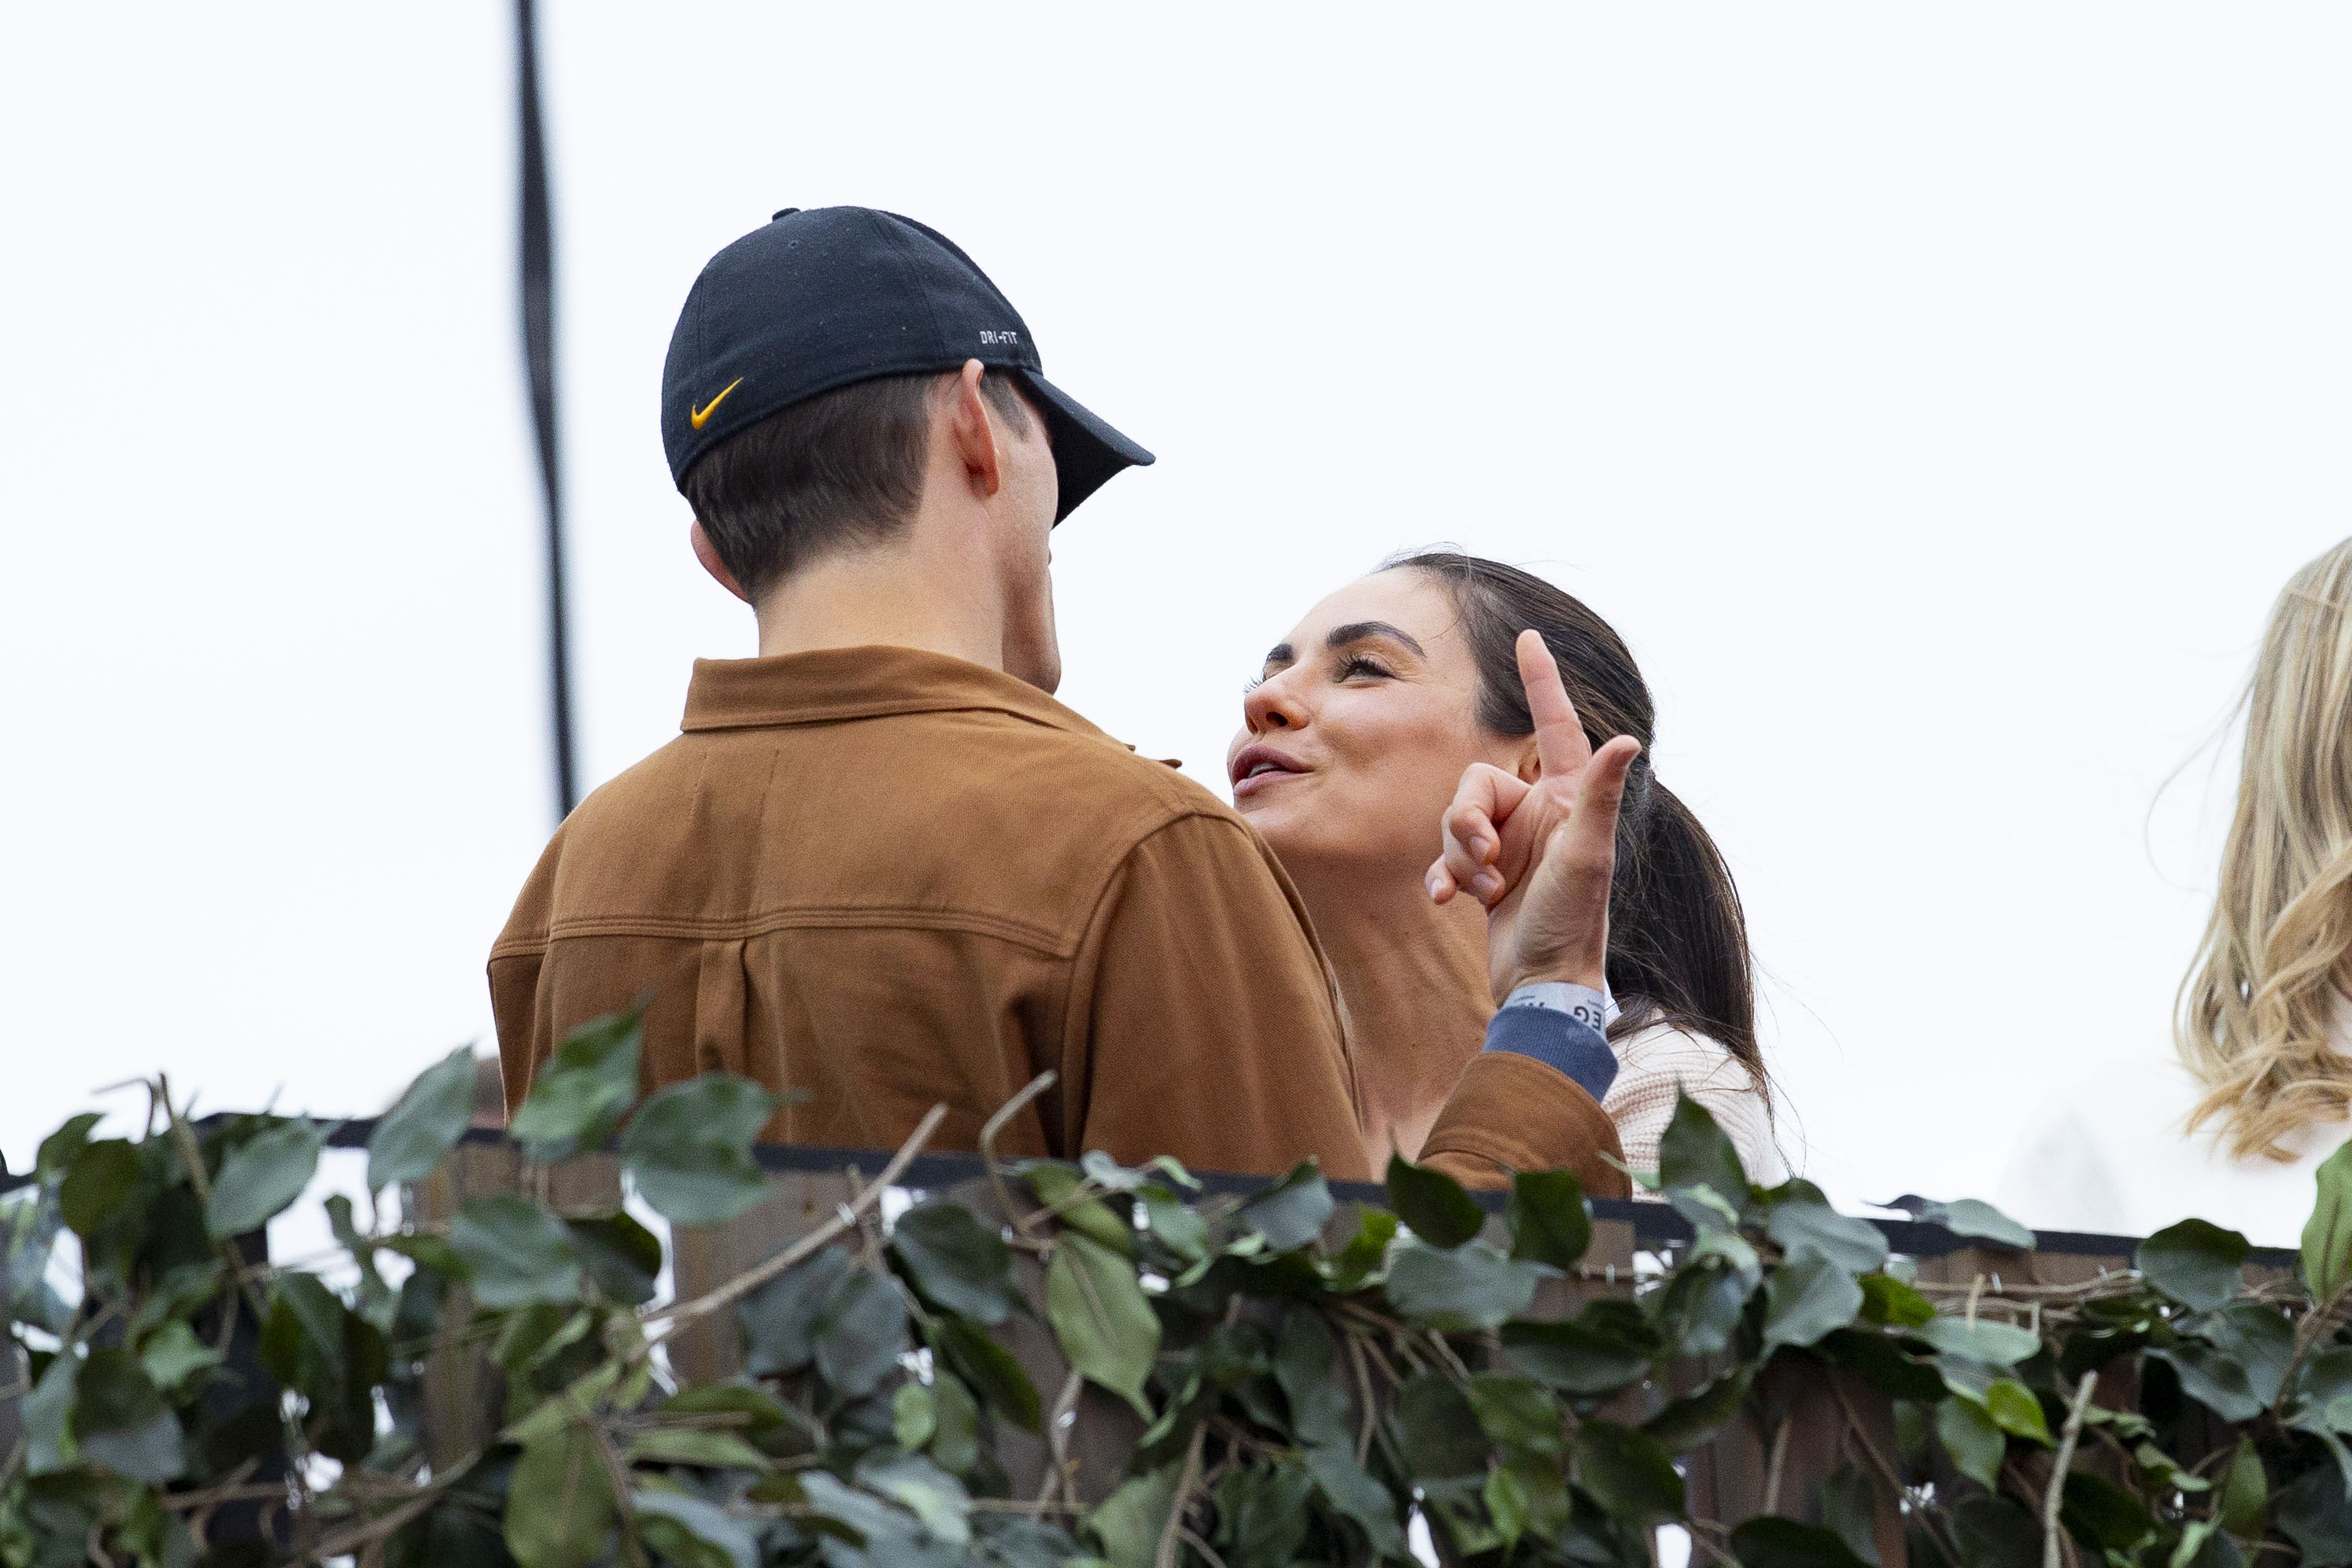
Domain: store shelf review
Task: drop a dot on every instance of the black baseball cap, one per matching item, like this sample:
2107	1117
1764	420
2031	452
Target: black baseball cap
823	299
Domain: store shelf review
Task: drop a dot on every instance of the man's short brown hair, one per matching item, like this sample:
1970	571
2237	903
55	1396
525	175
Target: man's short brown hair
840	471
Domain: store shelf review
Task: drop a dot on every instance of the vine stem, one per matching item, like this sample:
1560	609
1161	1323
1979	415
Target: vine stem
1020	1220
845	1217
1172	1533
2052	1555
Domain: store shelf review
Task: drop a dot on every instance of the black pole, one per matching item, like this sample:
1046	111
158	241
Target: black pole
539	360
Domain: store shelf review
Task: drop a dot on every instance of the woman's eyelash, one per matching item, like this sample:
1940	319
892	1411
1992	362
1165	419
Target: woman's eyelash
1360	666
1251	685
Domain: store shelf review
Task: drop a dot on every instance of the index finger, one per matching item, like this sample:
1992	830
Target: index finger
1559	733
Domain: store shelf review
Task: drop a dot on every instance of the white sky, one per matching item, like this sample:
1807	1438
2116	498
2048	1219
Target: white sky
1934	397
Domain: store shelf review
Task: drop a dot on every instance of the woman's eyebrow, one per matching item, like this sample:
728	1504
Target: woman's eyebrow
1363	630
1281	654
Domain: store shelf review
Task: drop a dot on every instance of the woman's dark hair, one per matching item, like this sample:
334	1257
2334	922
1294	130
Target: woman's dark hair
1677	938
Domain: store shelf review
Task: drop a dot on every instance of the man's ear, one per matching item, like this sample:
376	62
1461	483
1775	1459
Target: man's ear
707	554
965	419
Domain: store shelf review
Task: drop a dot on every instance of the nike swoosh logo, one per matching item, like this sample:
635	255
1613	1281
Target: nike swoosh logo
698	417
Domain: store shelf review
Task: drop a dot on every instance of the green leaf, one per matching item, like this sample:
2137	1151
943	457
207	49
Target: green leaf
1630	1474
1292	1212
2327	1234
2245	1508
698	1445
1365	1254
1771	1542
1850	1512
914	1416
1807	1297
2259	1339
1971	1218
60	1149
780	1316
1306	1359
1697	1416
2212	1379
621	1255
1803	1224
1995	1345
1349	1488
122	1422
415	1135
2197	1264
990	1370
2102	1516
860	1332
688	1148
923	1489
1550	1220
1262	1515
1889	1302
1693	1152
1129	1522
98	1186
955	1437
1441	1213
1464	1290
1057	1186
580	1094
957	1264
1602	1349
1437	1429
47	1413
1518	1413
173	1355
1701	1304
694	1533
2314	1511
1879	1361
263	1176
2016	1411
1995	1533
1179	1228
1101	1318
559	1505
1973	1440
515	1253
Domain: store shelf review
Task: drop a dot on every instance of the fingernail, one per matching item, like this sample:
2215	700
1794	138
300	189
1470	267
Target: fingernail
1429	884
1486	884
1480	848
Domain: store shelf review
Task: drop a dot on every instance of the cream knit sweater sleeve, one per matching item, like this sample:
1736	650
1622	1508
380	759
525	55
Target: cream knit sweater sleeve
1653	1063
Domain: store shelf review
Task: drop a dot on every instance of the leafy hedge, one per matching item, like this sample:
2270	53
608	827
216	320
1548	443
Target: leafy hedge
1290	1381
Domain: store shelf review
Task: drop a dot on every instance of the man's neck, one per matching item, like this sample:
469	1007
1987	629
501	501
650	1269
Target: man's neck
1412	978
900	595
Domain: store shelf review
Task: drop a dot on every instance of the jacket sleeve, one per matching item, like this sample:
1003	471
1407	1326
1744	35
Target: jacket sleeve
1201	1023
1513	1113
526	1035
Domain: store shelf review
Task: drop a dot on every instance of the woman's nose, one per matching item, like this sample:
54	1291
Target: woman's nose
1270	704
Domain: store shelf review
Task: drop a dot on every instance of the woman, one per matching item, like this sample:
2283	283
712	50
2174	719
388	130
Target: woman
1353	740
2233	1130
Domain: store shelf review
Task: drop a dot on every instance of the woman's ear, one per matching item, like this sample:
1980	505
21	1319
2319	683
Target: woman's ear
1529	763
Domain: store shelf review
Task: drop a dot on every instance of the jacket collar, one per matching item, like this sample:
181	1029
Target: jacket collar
834	683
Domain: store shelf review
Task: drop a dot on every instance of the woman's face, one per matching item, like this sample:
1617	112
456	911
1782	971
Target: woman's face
1357	733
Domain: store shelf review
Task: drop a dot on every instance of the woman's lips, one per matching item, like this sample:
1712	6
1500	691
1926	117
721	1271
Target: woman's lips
1259	768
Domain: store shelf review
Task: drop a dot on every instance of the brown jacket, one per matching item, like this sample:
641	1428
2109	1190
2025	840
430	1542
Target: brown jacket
891	878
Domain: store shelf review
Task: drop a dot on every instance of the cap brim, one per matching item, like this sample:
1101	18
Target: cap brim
1087	452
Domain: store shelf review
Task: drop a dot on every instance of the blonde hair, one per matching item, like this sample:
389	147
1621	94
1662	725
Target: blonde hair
2253	1017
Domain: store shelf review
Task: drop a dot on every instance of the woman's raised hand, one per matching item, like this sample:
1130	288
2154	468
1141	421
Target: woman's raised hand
1539	856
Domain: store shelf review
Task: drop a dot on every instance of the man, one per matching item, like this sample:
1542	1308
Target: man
881	866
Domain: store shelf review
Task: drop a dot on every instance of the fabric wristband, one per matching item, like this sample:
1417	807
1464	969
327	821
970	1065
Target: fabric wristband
1556	1037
